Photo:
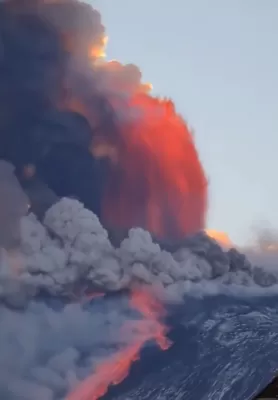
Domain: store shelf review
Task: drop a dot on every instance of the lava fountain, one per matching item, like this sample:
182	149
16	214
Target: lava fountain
65	108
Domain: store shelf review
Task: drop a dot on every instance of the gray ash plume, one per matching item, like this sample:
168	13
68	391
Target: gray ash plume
37	127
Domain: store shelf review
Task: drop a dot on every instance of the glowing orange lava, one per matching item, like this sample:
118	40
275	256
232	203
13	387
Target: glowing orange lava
159	183
152	310
221	237
116	369
99	50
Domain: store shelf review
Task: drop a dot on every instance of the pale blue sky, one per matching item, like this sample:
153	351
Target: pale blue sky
218	60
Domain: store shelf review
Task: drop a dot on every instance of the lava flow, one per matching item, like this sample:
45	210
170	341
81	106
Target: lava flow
115	369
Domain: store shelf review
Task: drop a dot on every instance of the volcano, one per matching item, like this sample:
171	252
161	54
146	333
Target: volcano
110	286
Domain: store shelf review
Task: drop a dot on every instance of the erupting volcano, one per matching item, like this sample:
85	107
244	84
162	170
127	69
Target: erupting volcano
97	179
76	125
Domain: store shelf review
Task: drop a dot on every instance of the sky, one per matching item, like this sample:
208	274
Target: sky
218	61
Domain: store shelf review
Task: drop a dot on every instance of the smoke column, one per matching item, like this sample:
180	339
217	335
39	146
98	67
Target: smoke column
127	155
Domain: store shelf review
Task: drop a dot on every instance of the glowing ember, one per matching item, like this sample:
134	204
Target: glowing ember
115	370
99	50
221	237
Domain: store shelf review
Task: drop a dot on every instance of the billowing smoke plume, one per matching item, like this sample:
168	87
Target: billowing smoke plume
71	250
129	157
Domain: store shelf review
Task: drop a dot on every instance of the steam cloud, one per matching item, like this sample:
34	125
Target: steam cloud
74	125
